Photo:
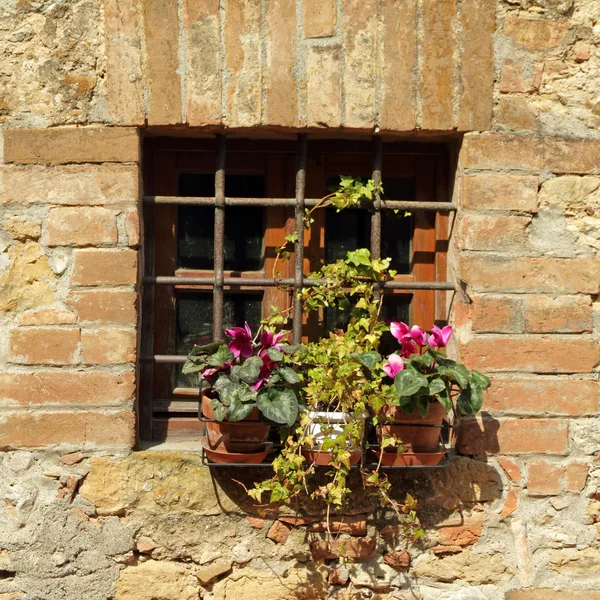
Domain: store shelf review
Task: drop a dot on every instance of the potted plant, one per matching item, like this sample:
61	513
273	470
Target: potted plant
427	387
239	382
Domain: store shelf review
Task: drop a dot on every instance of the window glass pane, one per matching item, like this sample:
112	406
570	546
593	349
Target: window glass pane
244	226
194	322
395	308
345	231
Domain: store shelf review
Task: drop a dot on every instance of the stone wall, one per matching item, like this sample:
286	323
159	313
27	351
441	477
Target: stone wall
517	516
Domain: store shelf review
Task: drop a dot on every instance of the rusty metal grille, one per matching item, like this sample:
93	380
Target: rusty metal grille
218	281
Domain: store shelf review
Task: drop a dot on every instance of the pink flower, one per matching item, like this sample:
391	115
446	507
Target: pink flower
210	373
394	365
408	348
399	330
439	337
418	335
265	371
241	344
268	339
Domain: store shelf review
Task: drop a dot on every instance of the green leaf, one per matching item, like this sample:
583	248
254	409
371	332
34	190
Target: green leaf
368	359
424	406
289	375
445	400
225	387
210	348
275	354
250	370
409	382
362	256
221	356
219	409
289	348
480	380
242	401
192	366
436	386
278	404
425	359
457	373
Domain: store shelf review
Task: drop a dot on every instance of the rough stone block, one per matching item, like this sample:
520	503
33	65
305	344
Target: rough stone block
513	436
531	354
66	387
104	267
161	25
550	594
108	346
203	62
44	346
500	192
71	145
84	430
536	34
81	227
544	478
105	306
114	185
320	17
542	396
324	87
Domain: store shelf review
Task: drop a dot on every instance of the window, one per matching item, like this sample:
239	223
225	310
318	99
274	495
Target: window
215	211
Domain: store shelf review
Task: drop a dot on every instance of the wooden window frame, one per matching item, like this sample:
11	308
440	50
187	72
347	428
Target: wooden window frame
166	158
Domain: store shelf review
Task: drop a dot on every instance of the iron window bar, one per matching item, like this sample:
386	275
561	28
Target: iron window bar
289	202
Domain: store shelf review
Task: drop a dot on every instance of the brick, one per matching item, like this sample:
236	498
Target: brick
549	594
531	275
203	62
114	185
66	387
43	346
87	430
536	34
543	396
352	525
360	548
360	62
511	468
132	228
161	26
559	155
243	94
71	145
256	522
544	478
48	316
124	73
520	75
483	232
460	535
532	355
324	88
514	113
339	576
500	192
492	314
476	95
577	473
104	267
399	63
320	17
511	503
279	532
281	97
557	314
81	227
108	346
145	545
437	70
513	436
105	306
398	560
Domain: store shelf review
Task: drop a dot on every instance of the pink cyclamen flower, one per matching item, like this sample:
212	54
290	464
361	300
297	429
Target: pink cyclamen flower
241	344
418	335
408	348
439	337
268	339
210	374
265	371
393	366
399	330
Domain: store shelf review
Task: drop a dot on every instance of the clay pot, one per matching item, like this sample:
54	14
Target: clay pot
247	436
322	459
407	428
409	458
220	455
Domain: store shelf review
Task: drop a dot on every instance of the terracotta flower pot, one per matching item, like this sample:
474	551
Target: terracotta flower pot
247	436
407	428
322	459
220	455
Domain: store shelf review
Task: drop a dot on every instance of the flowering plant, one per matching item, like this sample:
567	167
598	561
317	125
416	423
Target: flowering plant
245	374
422	373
